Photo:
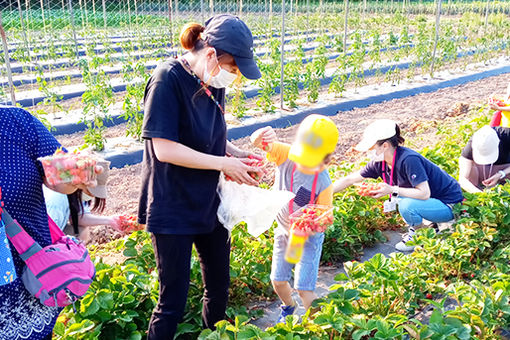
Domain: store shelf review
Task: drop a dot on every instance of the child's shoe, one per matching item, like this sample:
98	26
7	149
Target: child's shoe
286	310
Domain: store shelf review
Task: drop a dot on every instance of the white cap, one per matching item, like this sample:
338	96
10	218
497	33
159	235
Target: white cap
485	145
381	129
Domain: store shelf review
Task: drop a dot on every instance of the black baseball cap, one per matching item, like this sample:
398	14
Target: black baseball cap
230	34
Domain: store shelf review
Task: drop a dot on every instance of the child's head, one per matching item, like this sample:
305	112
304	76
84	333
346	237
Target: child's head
316	139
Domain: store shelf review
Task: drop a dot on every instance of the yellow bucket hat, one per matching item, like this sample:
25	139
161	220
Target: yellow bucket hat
316	137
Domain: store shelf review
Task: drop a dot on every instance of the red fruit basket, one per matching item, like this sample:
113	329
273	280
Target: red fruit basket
73	167
312	218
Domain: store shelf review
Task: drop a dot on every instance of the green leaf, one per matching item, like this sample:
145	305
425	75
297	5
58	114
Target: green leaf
89	305
105	299
130	252
341	277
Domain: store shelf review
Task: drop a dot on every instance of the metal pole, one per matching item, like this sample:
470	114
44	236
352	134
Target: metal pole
487	14
170	9
282	54
211	7
69	3
438	16
23	31
202	10
104	14
307	20
7	62
346	24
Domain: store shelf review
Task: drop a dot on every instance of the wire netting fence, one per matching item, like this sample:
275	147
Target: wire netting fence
93	57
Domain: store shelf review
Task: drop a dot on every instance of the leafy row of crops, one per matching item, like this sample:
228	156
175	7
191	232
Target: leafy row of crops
461	277
314	55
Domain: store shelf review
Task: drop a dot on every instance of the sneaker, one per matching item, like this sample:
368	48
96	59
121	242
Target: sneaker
406	238
286	311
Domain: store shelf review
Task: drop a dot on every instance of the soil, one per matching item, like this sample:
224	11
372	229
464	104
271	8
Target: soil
418	116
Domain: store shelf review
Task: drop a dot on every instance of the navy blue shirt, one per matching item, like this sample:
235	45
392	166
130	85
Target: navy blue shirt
411	169
23	139
175	199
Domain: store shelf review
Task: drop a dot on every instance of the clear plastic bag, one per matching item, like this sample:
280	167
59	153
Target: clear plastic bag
256	206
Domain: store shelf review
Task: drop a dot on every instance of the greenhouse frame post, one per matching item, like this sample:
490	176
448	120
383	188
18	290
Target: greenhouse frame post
346	9
307	21
7	62
71	14
22	22
282	54
104	14
438	17
171	22
487	14
202	14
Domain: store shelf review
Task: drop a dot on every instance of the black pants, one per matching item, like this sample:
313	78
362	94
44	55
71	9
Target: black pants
173	260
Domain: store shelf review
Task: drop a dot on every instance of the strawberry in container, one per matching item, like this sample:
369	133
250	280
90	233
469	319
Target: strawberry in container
312	218
69	167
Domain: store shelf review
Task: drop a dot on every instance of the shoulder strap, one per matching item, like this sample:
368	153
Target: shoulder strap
24	243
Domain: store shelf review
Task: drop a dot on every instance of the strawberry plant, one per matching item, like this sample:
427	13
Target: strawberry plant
270	76
293	71
315	70
136	76
96	100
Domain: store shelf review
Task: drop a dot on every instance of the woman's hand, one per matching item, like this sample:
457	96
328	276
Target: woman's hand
492	181
115	223
263	138
383	190
237	169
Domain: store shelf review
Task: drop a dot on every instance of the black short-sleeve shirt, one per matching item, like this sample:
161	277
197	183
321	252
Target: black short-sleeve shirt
411	169
504	146
175	199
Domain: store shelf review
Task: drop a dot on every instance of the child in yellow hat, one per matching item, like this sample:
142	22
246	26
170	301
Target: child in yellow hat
301	170
501	116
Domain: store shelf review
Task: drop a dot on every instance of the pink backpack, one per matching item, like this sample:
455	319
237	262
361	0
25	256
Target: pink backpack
58	274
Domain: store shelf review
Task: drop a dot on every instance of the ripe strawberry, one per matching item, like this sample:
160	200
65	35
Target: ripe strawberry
429	296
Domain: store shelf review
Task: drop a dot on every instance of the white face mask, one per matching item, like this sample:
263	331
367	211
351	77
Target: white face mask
221	80
374	156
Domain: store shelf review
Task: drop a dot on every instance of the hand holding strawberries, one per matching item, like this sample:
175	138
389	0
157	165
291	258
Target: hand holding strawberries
263	138
368	189
382	190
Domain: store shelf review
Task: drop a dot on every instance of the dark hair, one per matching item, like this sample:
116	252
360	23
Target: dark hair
76	207
395	141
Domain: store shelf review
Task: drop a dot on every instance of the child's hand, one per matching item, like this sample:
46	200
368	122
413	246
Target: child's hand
263	138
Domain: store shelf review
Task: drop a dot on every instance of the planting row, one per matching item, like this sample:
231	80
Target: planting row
462	276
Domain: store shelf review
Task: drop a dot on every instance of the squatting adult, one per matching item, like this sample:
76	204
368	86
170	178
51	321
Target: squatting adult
419	188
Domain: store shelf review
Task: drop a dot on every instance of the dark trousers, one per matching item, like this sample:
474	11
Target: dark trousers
173	261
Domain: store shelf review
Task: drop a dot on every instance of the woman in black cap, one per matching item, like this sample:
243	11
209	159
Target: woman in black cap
186	147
